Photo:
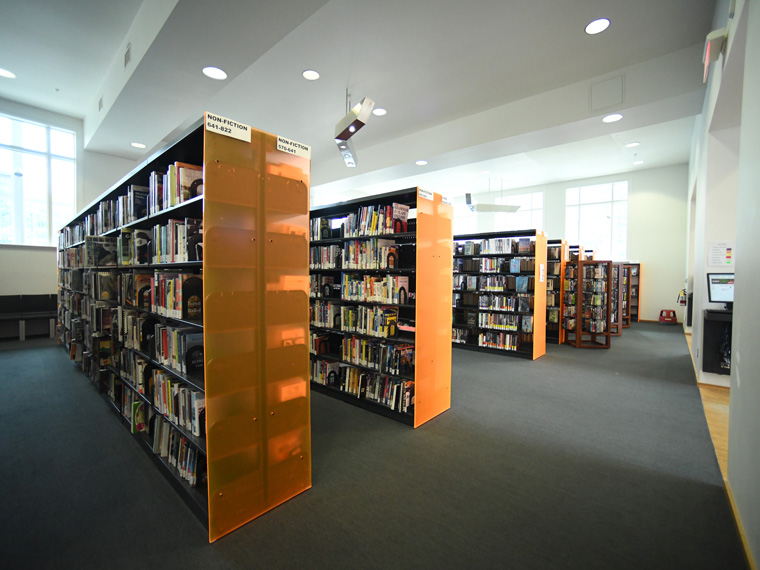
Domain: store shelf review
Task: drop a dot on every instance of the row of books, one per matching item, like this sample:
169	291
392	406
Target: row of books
594	325
496	246
394	393
553	252
595	272
376	321
372	253
71	280
500	340
178	241
326	257
396	359
179	348
180	404
460	336
521	303
595	286
506	322
375	288
465	299
178	452
181	182
495	283
504	265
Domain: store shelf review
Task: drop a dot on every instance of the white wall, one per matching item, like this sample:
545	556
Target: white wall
657	227
32	270
744	419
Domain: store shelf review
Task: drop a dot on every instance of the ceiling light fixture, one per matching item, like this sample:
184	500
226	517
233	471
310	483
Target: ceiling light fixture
138	145
597	26
214	73
7	74
379	111
613	118
638	162
488	207
632	144
421	162
311	75
356	117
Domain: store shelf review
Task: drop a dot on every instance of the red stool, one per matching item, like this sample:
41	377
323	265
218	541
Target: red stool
668	317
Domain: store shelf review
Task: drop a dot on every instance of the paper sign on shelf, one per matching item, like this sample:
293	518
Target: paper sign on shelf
427	194
541	272
228	127
293	147
446	200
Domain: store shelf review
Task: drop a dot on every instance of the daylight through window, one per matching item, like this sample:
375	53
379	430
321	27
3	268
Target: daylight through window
37	181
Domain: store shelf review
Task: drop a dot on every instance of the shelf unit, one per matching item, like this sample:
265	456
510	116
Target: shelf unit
380	309
625	296
616	299
556	257
253	452
635	272
499	295
587	302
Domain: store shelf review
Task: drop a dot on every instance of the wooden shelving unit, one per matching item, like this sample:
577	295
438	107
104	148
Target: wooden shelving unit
380	303
625	296
616	299
587	304
253	452
556	257
635	277
499	296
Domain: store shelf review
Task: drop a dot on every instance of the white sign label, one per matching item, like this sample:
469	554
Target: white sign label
446	200
541	272
228	127
293	147
721	254
400	212
427	194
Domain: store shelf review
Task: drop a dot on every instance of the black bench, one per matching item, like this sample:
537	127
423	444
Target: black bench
28	315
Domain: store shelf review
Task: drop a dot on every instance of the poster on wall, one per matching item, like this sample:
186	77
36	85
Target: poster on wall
721	254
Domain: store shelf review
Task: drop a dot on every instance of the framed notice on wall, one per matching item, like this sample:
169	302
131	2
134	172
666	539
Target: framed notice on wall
721	254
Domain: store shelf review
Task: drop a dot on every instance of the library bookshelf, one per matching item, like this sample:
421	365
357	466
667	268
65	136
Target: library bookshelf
616	299
380	270
499	293
587	304
625	296
635	297
198	339
556	256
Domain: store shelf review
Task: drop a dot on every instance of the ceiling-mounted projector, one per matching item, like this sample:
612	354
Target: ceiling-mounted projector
354	120
347	127
489	207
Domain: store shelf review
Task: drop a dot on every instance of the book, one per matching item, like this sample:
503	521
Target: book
193	354
194	240
189	180
192	297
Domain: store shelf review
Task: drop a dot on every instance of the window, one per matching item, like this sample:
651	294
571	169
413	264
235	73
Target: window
596	217
530	215
37	181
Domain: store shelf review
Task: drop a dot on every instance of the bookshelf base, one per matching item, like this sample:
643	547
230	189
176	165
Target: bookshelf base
512	353
197	505
361	403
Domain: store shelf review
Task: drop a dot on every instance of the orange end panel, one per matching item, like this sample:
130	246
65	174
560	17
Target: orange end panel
435	251
255	323
539	298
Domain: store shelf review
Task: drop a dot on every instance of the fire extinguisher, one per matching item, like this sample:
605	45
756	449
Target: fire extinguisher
682	297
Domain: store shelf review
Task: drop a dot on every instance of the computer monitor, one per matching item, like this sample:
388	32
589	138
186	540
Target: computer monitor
720	288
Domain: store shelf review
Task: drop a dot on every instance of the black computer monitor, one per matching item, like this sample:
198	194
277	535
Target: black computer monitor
720	289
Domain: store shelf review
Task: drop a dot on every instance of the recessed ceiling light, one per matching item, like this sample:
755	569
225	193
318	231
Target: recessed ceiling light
613	118
421	162
311	75
214	73
597	26
637	162
138	145
7	74
632	144
379	111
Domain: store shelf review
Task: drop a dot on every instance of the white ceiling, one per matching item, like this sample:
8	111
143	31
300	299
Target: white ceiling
507	87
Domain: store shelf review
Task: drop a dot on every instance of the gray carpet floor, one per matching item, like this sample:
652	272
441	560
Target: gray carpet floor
587	459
